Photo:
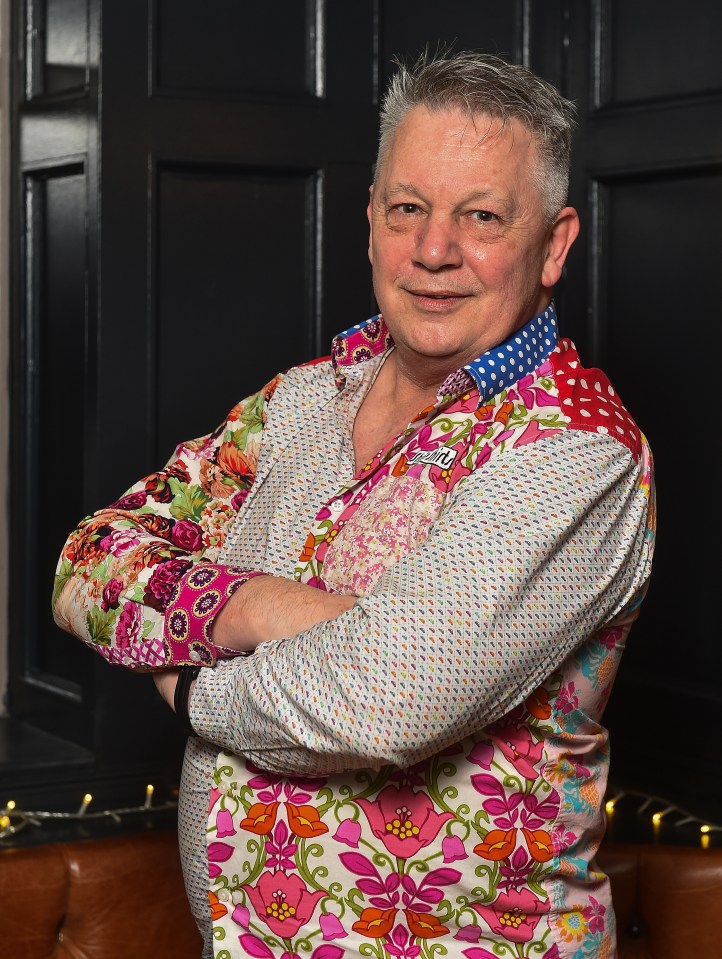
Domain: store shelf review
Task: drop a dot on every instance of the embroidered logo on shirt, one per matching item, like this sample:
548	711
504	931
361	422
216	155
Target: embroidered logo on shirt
443	457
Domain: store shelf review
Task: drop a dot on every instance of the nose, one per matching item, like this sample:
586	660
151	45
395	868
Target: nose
437	243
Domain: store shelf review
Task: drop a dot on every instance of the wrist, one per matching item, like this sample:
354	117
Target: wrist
187	676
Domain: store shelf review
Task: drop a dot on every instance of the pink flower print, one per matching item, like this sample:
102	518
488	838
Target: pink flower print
470	933
562	839
519	748
532	432
130	623
331	926
280	853
534	396
224	824
111	592
348	832
594	914
241	915
119	541
513	915
213	797
403	820
567	699
401	944
482	754
283	902
453	849
217	852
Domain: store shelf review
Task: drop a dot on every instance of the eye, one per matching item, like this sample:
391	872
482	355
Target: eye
484	216
408	209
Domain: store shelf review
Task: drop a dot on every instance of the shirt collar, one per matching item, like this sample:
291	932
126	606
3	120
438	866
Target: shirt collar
493	371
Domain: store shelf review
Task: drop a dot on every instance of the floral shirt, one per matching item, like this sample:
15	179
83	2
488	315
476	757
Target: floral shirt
424	774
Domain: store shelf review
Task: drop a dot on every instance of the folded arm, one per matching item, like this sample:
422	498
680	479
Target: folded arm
536	552
126	568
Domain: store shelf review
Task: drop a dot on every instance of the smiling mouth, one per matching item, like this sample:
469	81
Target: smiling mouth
438	294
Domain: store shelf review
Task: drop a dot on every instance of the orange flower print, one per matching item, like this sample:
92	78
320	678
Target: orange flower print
375	923
539	844
538	704
497	844
401	466
572	925
483	411
261	818
235	463
308	548
304	821
218	910
424	925
504	412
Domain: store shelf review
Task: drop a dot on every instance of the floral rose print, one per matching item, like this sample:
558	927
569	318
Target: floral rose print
283	902
513	915
403	820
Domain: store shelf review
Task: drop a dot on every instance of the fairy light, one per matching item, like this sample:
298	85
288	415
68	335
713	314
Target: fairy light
681	816
13	819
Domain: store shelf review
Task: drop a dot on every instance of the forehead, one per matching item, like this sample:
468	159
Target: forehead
451	144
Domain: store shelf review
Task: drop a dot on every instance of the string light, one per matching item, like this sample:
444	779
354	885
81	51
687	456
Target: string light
12	819
668	809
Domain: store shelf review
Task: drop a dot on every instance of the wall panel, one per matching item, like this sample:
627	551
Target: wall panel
235	293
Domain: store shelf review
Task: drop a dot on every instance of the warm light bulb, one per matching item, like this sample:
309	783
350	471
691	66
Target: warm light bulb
87	799
609	806
4	822
149	790
657	818
10	805
704	829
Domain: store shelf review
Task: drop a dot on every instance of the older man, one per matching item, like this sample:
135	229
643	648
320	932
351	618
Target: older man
447	530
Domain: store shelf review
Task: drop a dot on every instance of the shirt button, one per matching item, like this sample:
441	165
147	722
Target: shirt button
194	655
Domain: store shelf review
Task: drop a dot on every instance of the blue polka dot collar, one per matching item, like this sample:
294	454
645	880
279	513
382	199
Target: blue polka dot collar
505	364
493	371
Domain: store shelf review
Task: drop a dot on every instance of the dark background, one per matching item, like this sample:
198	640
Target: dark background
189	184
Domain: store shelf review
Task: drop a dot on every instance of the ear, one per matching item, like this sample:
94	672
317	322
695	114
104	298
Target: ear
562	233
369	214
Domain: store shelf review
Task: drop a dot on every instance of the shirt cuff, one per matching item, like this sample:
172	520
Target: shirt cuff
197	598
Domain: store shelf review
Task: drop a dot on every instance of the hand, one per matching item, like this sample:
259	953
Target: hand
166	681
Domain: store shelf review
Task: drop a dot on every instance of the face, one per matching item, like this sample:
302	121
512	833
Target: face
461	251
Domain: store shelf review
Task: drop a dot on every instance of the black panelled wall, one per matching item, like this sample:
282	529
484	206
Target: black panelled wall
189	191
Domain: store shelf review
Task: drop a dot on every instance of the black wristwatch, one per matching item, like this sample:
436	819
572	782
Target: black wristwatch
182	694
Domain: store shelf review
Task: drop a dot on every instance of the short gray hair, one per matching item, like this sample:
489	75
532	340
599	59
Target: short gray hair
480	84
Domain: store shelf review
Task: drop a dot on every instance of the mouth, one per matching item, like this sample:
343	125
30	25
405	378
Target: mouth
438	300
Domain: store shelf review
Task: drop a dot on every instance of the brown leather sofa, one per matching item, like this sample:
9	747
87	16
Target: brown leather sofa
123	898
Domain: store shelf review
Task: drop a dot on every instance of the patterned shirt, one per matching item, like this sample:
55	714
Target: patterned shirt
429	767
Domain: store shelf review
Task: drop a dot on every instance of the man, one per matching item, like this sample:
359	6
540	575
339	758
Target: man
448	530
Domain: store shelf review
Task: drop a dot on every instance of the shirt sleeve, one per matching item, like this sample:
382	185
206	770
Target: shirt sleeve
138	581
534	553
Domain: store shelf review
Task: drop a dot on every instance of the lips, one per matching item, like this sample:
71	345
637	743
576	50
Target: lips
438	294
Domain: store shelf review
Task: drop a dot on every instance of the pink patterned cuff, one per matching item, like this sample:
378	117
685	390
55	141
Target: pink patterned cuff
197	598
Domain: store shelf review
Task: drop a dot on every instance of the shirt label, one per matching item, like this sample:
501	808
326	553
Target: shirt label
444	457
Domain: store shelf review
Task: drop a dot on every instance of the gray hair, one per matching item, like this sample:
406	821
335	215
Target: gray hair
480	84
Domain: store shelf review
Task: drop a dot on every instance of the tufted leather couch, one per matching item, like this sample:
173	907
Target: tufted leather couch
123	898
